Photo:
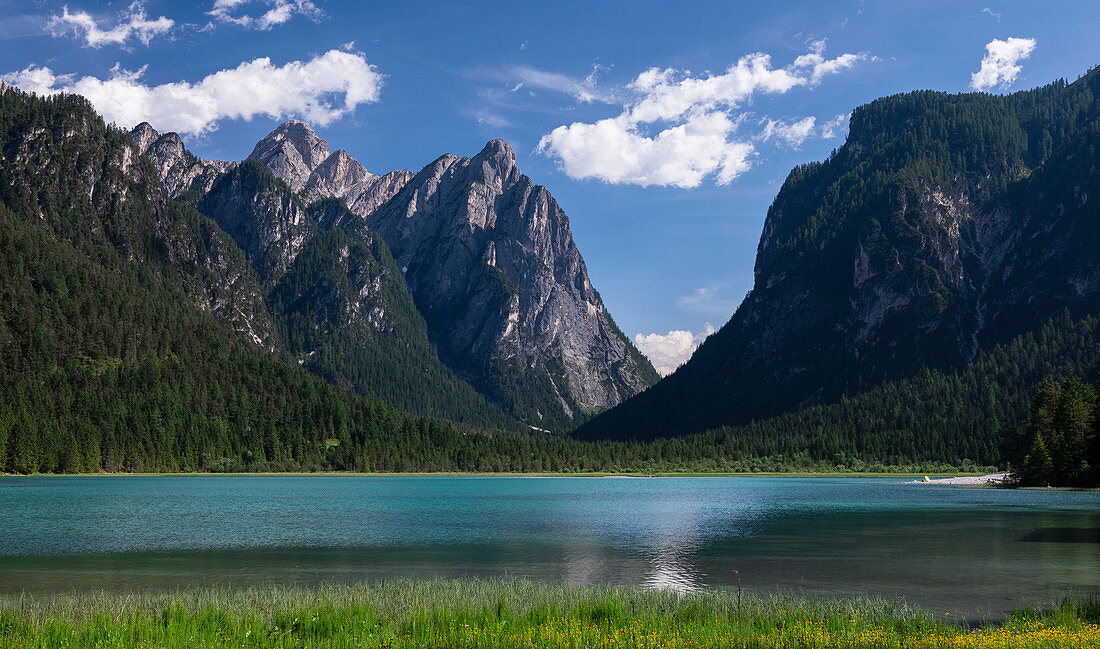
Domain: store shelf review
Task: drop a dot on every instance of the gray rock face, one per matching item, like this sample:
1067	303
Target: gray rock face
297	155
180	172
492	264
491	261
5	86
292	152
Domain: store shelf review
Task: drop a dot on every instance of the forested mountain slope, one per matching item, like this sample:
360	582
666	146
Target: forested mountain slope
945	225
117	341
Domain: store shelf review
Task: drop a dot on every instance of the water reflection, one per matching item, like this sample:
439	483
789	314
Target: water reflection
672	554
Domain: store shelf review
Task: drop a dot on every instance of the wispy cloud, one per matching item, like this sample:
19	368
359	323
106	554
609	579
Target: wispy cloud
831	128
274	12
995	15
669	351
584	90
1000	66
320	90
793	133
132	24
492	120
708	300
676	129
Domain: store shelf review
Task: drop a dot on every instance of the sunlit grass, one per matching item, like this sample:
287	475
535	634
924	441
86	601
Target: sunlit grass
472	613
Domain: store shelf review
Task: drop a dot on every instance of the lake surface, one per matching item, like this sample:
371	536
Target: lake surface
972	552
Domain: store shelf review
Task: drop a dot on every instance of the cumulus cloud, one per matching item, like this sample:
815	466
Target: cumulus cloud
320	90
1000	66
793	133
132	24
676	129
669	351
615	151
276	12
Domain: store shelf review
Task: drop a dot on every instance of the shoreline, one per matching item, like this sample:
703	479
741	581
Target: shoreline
939	477
987	480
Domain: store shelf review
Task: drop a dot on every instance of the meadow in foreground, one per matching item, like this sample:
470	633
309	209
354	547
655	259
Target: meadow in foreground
506	613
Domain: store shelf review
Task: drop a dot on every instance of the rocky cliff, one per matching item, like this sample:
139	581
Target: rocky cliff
183	175
945	224
491	262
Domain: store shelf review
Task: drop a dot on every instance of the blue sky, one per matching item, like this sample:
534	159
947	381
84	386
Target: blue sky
663	129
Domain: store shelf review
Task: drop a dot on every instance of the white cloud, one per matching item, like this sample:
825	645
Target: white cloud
992	13
132	24
676	129
1000	66
793	133
320	90
708	300
669	351
819	67
830	128
615	151
277	12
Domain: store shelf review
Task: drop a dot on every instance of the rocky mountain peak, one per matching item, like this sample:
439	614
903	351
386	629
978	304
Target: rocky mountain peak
341	167
491	261
5	86
496	164
179	171
144	134
292	151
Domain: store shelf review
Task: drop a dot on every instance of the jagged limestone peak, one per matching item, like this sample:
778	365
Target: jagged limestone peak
292	151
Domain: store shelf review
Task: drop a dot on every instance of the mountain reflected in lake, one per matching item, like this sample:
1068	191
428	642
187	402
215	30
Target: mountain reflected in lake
965	551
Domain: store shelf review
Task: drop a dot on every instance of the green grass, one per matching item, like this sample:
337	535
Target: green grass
502	613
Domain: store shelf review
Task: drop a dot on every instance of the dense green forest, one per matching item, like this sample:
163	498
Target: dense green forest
1061	443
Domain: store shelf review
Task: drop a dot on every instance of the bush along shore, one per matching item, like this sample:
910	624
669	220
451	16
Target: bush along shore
471	613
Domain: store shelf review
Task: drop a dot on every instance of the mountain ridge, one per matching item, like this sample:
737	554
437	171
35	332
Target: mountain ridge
521	356
944	225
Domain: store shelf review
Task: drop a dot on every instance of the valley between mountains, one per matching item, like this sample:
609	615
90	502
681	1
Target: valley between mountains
295	311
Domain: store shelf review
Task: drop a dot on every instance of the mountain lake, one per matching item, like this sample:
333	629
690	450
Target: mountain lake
974	553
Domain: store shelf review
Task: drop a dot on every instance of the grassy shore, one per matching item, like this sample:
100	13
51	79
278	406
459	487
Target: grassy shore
468	613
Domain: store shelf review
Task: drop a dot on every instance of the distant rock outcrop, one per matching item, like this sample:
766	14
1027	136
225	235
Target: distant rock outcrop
181	173
297	155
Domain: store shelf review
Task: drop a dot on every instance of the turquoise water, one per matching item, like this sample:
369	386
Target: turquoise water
971	552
